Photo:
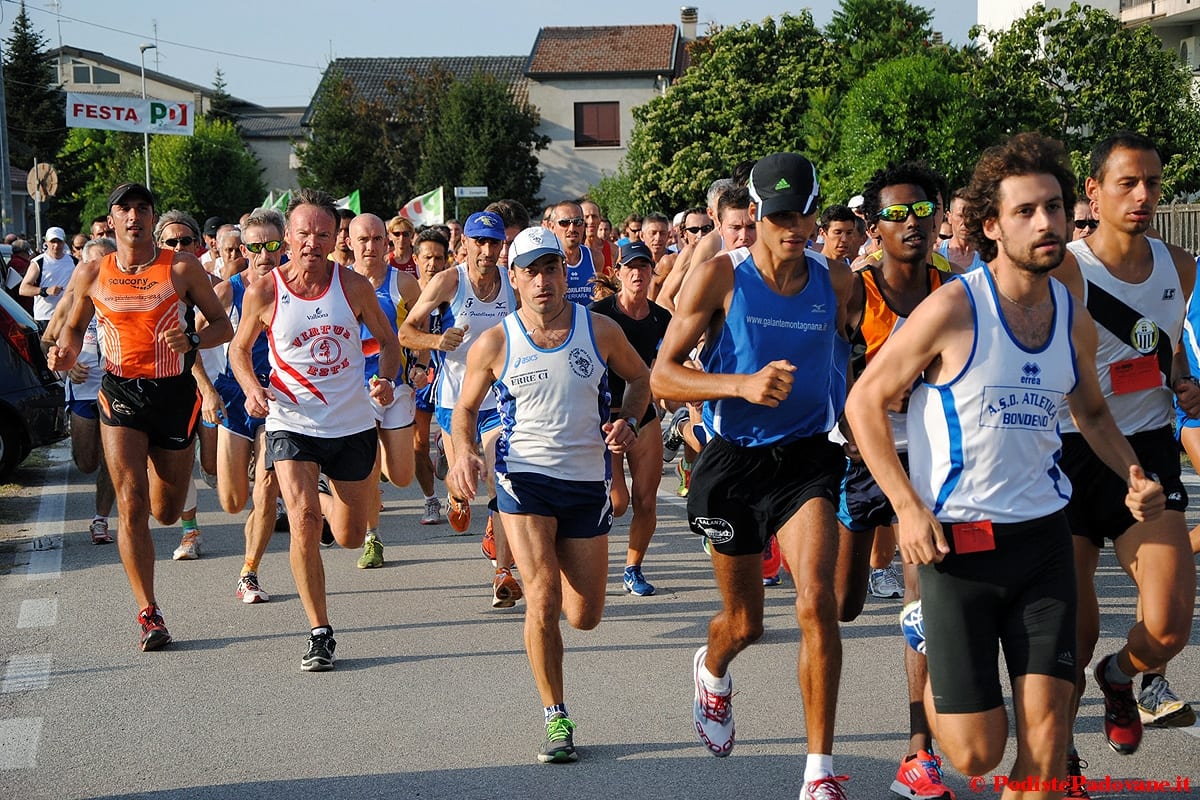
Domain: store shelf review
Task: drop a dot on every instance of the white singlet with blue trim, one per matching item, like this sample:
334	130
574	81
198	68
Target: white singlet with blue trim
467	309
985	445
553	404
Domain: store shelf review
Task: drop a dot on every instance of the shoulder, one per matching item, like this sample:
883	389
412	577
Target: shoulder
606	331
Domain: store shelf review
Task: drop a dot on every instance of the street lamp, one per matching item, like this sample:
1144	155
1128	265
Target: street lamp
142	48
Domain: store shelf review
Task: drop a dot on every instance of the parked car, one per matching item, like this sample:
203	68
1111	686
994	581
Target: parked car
32	409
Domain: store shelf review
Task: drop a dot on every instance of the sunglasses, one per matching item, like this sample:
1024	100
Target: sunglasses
402	234
258	247
700	228
633	230
1091	224
944	236
566	223
186	241
898	212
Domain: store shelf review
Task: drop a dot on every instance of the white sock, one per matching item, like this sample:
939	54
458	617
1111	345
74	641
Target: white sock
713	683
429	497
1114	674
817	766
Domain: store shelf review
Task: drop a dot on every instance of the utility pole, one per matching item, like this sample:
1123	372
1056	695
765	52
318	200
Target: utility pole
7	215
145	134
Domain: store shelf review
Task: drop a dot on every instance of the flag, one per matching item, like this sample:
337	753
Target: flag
426	209
280	202
350	201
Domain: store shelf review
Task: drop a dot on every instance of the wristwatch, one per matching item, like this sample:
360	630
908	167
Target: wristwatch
633	424
194	339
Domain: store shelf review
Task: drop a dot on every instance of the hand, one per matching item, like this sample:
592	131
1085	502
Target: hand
1145	499
382	392
52	291
419	376
920	536
257	400
78	373
463	478
1187	392
771	385
212	407
60	359
176	339
452	338
618	436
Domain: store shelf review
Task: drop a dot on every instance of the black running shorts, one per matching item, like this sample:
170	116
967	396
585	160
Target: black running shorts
165	409
344	458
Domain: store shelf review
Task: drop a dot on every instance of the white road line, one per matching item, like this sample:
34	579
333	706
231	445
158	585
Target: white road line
26	673
45	561
38	613
19	742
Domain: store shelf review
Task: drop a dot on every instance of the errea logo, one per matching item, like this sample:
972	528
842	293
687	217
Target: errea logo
1030	374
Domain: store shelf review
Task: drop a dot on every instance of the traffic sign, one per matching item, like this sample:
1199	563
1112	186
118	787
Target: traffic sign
470	191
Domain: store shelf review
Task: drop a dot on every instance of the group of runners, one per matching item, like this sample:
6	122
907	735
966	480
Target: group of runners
997	424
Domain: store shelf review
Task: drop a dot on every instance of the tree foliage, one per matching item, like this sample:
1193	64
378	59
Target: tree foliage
36	113
866	33
90	163
482	138
210	173
220	103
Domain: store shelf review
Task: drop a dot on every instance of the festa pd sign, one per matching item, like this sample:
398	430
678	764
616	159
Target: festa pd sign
130	114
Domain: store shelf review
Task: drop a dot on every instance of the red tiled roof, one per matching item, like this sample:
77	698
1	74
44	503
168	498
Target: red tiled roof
604	50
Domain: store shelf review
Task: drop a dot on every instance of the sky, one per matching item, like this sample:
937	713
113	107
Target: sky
273	52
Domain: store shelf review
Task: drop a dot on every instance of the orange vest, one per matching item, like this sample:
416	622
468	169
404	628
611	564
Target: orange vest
133	311
880	320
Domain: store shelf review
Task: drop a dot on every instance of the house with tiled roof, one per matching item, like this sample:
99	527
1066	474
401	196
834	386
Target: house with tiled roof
585	83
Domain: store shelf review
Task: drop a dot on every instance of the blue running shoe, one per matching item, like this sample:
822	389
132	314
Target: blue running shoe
636	583
912	623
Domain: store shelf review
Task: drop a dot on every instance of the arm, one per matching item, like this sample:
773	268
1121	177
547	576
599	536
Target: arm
410	293
441	289
623	360
1145	498
257	305
365	304
661	270
702	306
939	330
484	360
31	283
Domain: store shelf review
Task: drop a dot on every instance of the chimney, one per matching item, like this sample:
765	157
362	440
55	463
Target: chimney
688	17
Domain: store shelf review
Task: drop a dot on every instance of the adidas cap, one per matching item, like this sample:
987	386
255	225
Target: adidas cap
784	182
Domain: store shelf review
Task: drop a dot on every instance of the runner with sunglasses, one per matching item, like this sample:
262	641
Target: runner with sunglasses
1085	221
570	227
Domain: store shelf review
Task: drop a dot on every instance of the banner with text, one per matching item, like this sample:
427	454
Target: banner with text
131	114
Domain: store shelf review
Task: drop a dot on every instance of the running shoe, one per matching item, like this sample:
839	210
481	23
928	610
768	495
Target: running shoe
319	657
912	623
706	545
1159	707
99	531
827	788
559	747
189	546
209	478
372	554
281	518
920	778
684	470
154	631
885	583
440	464
1077	783
712	712
636	583
488	545
248	590
458	512
672	435
1122	724
433	512
505	589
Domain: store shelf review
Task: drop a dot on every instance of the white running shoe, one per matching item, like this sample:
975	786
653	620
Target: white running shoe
189	546
1159	707
885	583
713	712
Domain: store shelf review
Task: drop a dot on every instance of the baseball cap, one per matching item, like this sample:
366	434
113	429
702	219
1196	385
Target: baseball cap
56	233
530	245
856	202
484	225
212	225
129	189
634	250
784	182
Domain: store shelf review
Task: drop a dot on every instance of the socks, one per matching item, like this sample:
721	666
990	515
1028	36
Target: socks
249	566
372	533
713	683
188	525
429	497
99	518
557	708
325	630
817	766
1113	673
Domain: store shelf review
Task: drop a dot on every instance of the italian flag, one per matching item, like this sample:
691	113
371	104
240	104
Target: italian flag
427	209
350	201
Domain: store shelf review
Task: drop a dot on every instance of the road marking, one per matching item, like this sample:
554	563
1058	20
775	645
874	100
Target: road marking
46	559
1191	730
45	562
19	742
38	613
26	673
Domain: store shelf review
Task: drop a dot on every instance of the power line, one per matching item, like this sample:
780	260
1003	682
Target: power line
167	41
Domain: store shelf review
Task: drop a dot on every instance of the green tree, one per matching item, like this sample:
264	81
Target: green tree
346	149
90	163
865	33
220	103
913	108
36	114
1080	75
210	173
745	95
413	105
481	137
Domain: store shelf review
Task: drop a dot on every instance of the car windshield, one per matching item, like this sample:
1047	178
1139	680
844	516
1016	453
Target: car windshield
14	310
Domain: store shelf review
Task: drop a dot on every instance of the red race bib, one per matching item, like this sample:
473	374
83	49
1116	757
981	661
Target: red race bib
973	537
1135	375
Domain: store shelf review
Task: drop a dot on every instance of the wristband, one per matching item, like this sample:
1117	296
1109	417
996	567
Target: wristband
633	425
42	292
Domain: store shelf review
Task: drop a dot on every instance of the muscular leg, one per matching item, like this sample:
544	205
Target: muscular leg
260	524
645	468
86	451
233	459
740	622
916	670
504	555
566	576
1041	706
208	448
974	742
883	549
397	447
809	543
853	568
298	483
618	492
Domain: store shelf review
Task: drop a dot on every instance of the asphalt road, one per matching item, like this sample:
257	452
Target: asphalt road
432	696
